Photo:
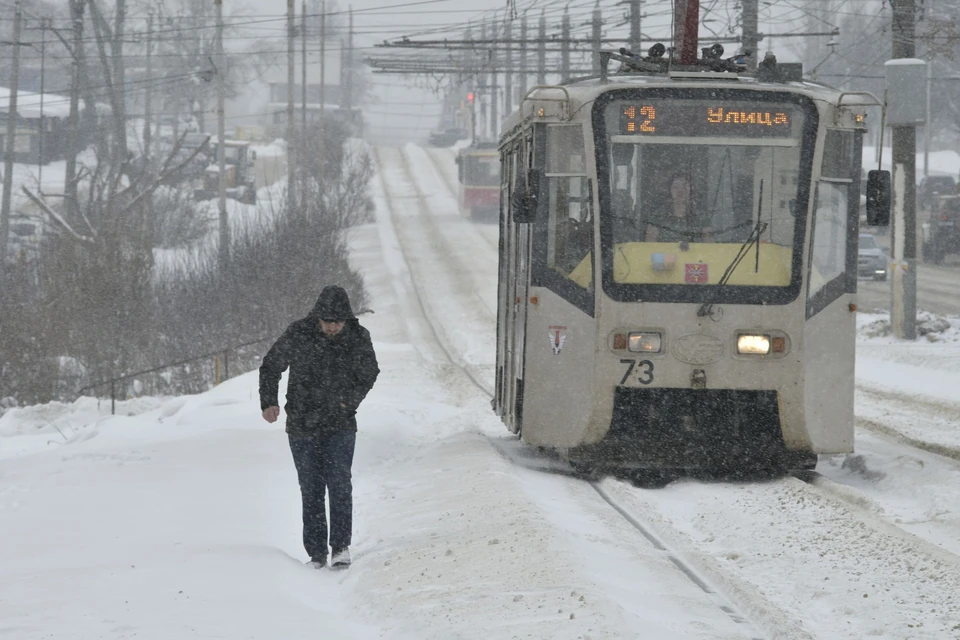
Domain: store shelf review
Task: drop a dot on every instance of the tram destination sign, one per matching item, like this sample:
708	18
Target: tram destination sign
735	120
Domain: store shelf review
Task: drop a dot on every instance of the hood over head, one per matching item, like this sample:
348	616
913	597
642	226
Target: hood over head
333	304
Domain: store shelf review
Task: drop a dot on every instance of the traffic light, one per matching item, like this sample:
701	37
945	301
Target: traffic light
470	98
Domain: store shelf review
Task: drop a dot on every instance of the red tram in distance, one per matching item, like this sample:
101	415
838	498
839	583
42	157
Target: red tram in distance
479	181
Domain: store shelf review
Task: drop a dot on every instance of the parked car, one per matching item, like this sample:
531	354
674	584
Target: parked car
931	187
942	234
871	259
447	137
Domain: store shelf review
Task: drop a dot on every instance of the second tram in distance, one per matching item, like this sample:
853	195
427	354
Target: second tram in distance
678	267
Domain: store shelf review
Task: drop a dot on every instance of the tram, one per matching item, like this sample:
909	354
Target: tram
479	181
678	266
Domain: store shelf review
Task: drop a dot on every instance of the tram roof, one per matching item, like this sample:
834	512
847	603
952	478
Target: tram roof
585	91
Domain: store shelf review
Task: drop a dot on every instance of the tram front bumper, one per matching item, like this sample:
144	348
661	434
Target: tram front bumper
690	429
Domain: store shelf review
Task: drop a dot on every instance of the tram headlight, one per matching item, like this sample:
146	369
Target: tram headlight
644	342
753	344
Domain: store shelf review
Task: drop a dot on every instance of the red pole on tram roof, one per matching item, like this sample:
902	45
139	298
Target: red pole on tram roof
691	27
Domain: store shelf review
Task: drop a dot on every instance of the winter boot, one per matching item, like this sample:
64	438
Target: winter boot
340	559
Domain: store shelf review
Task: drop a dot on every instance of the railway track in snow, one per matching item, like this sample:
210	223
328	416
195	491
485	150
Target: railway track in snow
739	601
863	518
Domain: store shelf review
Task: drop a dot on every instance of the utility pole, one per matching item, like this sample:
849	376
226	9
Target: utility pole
635	43
10	147
542	50
323	96
291	125
565	47
691	31
480	85
224	248
494	110
73	120
904	238
44	24
751	38
348	79
508	67
597	35
523	56
148	96
679	21
928	125
303	104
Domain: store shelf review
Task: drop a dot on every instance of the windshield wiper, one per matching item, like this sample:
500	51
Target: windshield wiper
706	309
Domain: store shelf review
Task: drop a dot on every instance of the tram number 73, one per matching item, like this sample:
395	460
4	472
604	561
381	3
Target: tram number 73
643	369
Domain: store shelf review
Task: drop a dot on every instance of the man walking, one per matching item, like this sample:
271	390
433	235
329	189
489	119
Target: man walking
332	368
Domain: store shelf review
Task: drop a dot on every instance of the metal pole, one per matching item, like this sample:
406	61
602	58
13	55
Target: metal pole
508	68
494	107
291	126
224	248
9	146
73	120
542	51
565	47
751	39
303	106
927	125
904	282
323	95
635	44
691	31
148	96
597	35
43	74
523	57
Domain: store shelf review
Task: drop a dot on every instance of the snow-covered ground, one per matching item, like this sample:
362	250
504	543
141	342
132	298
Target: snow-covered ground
180	517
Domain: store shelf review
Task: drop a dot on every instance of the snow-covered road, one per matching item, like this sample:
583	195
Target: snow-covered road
182	519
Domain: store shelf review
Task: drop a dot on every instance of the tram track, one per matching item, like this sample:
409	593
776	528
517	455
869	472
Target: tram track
775	623
855	500
452	190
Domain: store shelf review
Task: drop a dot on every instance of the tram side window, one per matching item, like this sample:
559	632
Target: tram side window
570	219
832	210
570	227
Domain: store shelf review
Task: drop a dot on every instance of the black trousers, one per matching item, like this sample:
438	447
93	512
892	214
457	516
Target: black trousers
323	464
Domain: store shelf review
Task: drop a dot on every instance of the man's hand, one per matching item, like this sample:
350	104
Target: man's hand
270	414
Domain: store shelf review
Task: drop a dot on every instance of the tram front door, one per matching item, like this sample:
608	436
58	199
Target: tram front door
517	285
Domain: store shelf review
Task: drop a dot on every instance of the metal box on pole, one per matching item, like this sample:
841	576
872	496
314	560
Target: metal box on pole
906	91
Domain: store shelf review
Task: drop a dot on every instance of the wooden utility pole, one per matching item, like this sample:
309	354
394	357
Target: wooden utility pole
635	40
10	139
224	247
751	37
904	239
291	98
542	50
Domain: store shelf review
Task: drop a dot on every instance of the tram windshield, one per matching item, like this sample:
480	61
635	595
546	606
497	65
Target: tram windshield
480	170
689	181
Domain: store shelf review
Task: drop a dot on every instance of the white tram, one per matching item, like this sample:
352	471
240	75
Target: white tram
678	266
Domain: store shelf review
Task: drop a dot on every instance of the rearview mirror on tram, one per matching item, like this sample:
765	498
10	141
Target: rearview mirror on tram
878	198
526	197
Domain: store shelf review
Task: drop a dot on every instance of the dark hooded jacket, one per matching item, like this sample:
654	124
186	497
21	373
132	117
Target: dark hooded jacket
325	372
